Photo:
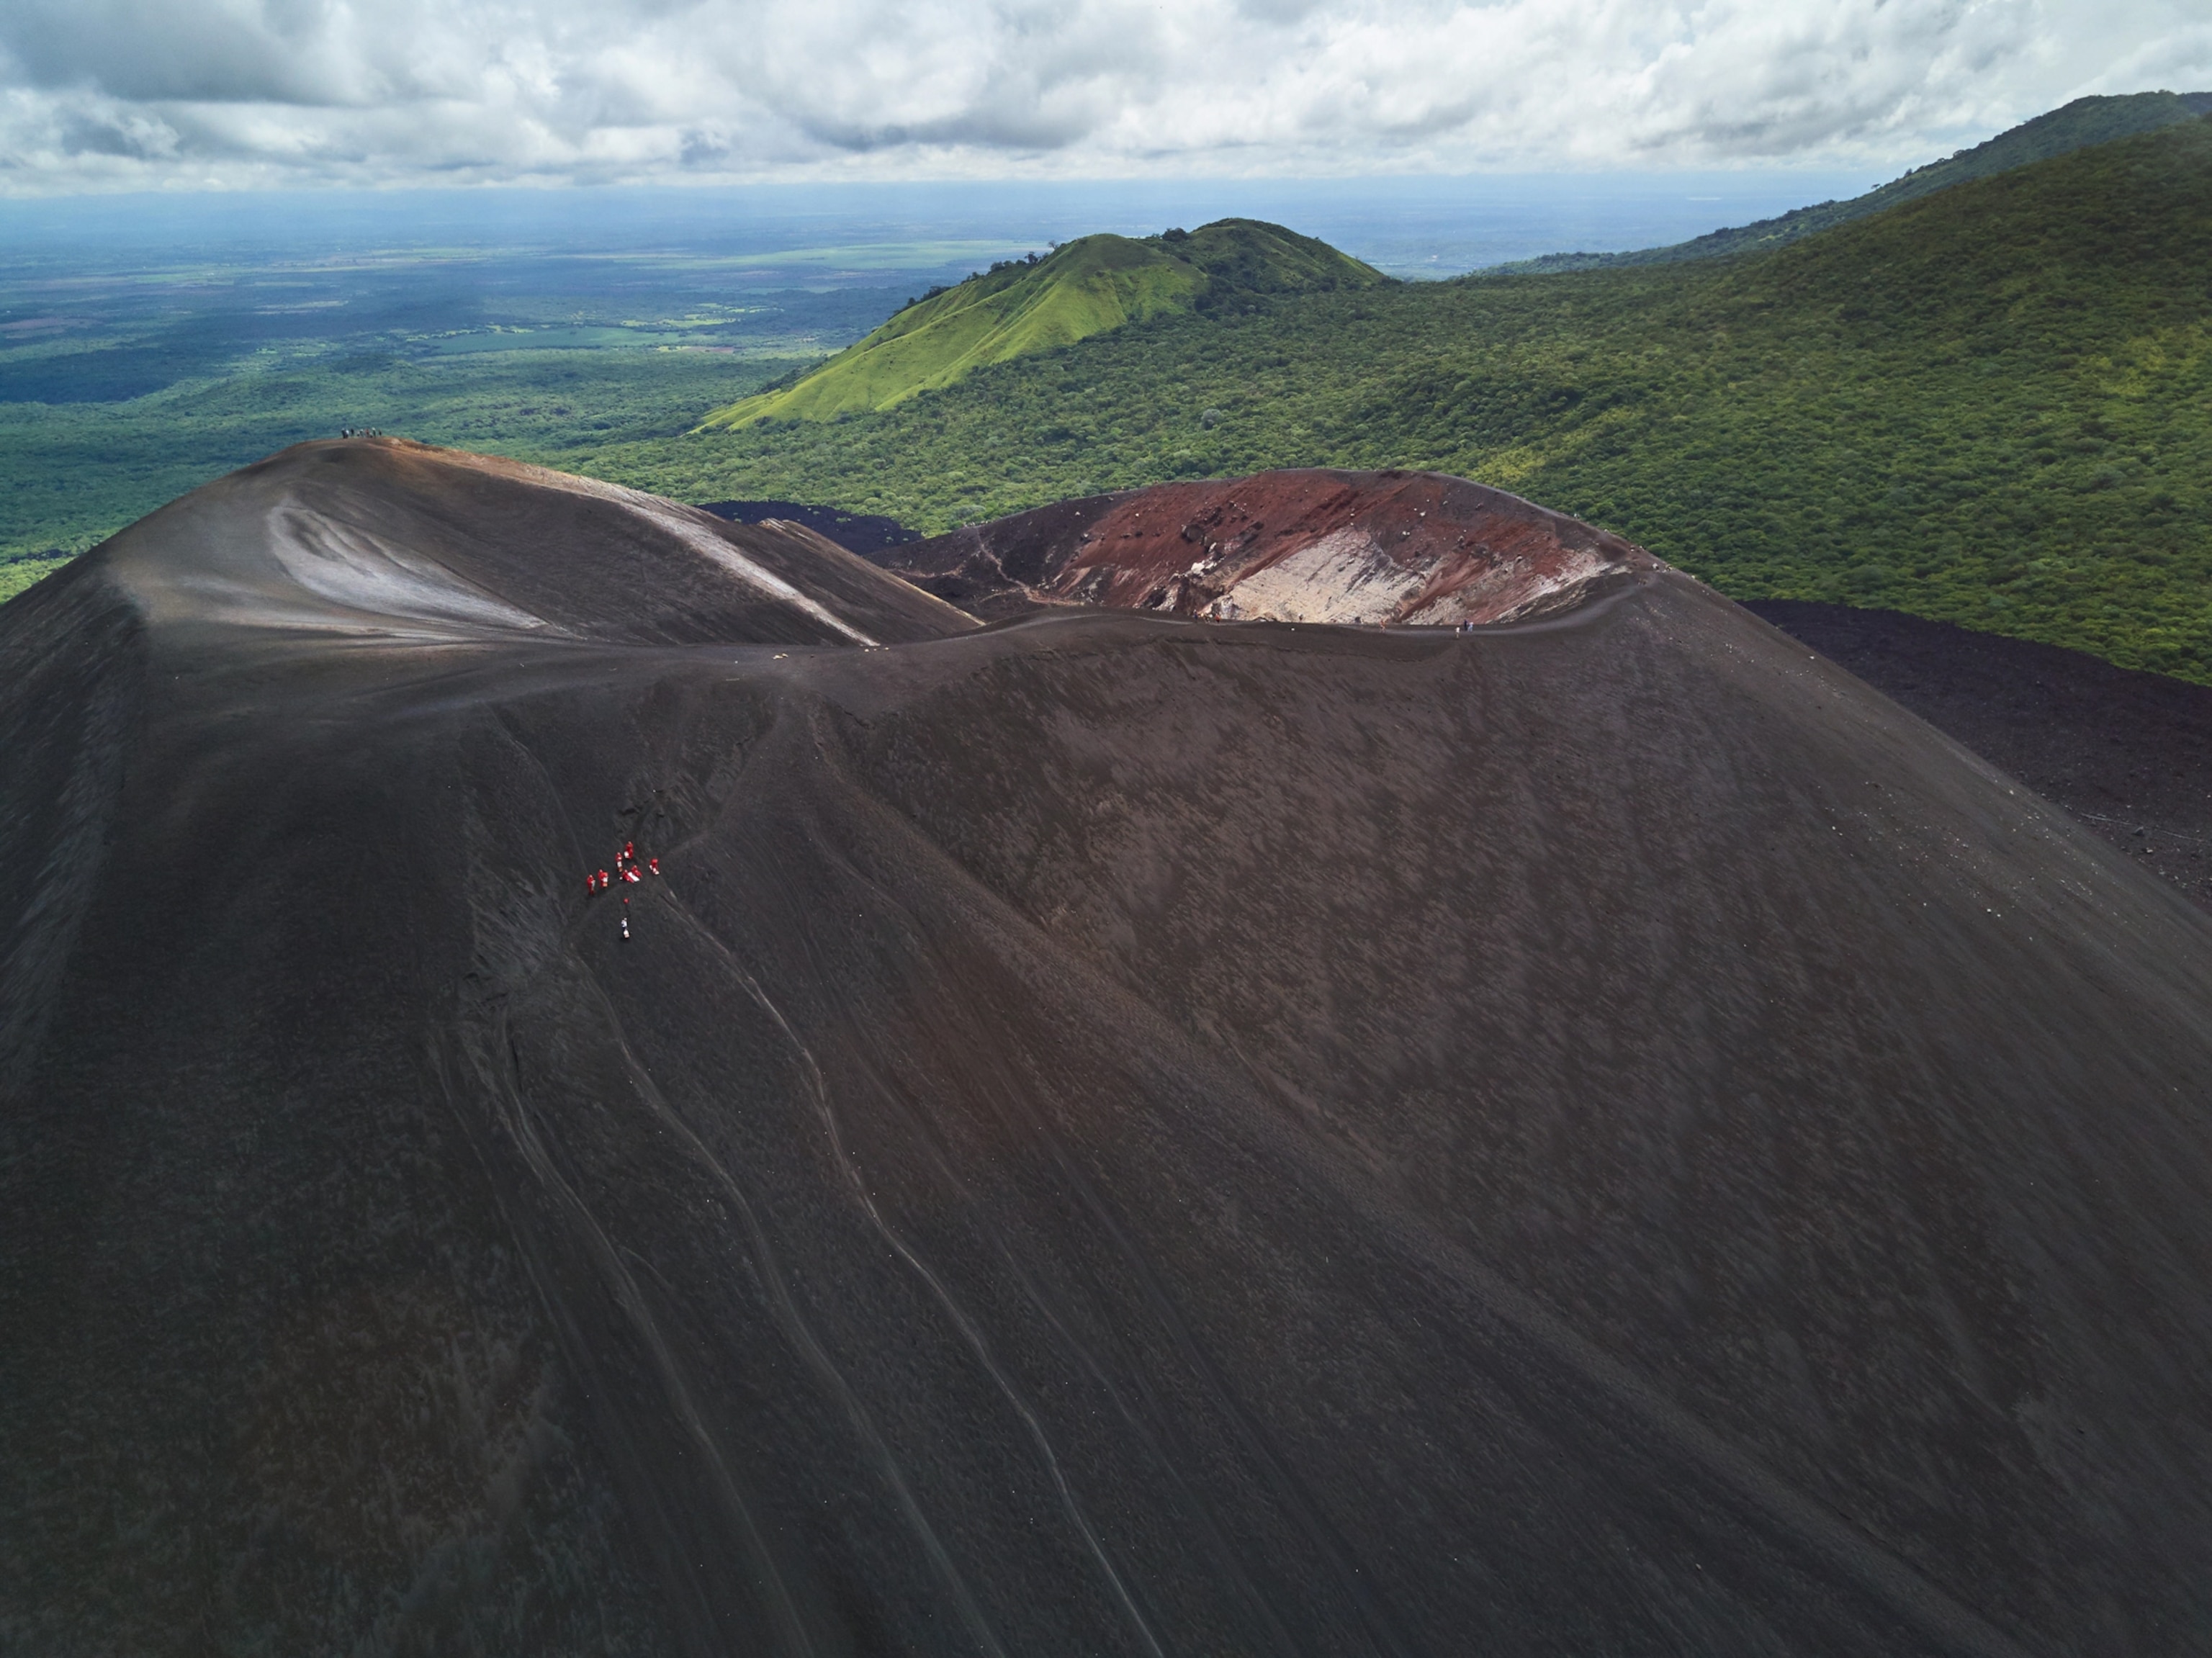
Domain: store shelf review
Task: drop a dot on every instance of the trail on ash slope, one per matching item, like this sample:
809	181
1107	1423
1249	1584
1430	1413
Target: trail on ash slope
1118	1132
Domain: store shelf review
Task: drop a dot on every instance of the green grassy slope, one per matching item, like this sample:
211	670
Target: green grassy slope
1085	288
1992	405
2079	125
1089	286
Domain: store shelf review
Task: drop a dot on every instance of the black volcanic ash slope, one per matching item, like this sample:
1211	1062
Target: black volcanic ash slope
1117	1134
2128	753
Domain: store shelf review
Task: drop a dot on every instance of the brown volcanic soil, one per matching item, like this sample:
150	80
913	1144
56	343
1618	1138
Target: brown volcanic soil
2128	753
1115	1133
1306	545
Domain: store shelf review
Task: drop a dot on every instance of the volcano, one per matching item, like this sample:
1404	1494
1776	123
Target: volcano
1120	1132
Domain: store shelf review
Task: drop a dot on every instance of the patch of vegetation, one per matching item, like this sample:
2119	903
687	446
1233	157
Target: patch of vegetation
2078	126
1022	306
1991	405
19	570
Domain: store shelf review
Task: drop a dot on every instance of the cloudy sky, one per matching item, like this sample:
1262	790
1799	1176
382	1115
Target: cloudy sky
102	94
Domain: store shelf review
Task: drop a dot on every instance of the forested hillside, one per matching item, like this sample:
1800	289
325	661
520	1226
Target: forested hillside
1024	306
2077	125
1992	405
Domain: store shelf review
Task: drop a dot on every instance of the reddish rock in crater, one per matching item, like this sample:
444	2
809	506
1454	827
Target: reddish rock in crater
1312	544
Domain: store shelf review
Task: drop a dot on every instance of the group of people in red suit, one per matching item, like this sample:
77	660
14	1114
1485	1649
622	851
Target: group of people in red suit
628	869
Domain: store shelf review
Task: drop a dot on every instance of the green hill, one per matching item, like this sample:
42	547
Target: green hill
1017	309
1991	405
2078	126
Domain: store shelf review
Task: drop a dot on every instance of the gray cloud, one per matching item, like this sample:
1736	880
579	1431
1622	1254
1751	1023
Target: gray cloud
106	93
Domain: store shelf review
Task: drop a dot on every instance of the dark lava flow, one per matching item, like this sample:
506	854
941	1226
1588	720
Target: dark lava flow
2127	752
1113	1133
866	533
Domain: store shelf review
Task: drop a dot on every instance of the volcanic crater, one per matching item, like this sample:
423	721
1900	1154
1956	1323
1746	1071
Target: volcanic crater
1377	549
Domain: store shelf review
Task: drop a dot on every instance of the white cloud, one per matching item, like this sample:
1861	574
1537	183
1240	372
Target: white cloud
100	94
